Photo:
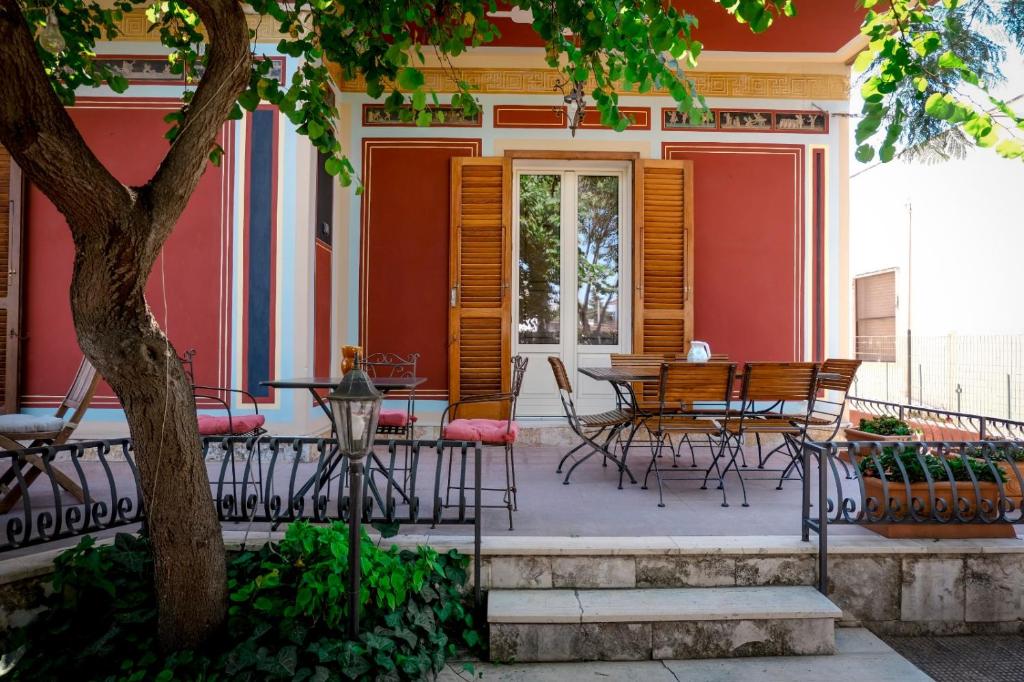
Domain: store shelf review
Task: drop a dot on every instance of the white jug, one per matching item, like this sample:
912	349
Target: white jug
700	351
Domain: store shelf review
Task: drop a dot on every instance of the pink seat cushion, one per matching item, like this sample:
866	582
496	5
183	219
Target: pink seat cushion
490	431
222	426
393	417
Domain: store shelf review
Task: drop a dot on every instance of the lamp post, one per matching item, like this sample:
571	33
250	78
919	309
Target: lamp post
355	403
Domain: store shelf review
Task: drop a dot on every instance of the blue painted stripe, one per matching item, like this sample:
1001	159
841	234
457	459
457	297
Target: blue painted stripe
260	242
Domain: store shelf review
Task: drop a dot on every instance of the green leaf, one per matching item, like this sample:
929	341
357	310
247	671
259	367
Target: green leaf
314	130
249	100
410	79
333	166
865	153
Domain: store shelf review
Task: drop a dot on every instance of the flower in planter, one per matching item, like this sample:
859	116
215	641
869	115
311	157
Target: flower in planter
915	466
886	426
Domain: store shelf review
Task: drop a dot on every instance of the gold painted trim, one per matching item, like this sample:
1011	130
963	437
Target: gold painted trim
709	84
134	26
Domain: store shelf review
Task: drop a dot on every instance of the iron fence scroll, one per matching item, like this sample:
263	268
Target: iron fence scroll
110	499
253	480
921	482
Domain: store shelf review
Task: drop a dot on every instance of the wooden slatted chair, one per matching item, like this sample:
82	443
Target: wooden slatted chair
501	432
16	429
589	428
776	383
684	389
827	411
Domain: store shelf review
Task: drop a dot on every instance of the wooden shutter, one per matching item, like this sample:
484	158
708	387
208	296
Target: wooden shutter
480	317
10	278
875	298
663	256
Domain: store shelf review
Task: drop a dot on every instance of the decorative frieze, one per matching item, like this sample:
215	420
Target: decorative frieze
445	116
156	69
748	120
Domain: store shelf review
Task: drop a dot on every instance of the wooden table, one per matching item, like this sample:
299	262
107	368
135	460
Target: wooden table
621	379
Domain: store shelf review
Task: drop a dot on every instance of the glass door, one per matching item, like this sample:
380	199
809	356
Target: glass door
571	297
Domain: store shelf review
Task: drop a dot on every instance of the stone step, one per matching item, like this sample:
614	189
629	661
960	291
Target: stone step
644	624
859	656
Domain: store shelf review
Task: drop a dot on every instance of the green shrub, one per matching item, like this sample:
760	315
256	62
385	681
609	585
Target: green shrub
915	467
287	616
885	426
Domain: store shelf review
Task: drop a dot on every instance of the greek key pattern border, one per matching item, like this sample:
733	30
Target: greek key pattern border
709	84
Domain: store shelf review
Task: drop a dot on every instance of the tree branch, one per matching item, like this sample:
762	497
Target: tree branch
227	74
39	133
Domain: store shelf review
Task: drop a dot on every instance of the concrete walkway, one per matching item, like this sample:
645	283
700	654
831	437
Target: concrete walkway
861	656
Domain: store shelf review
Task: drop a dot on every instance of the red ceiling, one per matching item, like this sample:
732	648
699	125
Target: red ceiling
820	26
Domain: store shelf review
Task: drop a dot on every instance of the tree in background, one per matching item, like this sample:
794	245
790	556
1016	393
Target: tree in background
47	50
931	68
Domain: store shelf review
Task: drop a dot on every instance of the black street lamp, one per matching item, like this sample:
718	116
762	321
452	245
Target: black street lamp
355	403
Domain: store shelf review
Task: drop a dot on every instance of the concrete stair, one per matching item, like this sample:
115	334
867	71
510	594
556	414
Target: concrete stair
659	623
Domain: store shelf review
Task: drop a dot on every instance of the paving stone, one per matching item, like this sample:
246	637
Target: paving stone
994	589
860	656
598	571
932	590
764	570
520	572
867	588
742	638
685	571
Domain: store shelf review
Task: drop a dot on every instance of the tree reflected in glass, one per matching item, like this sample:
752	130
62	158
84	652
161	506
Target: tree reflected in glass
597	295
540	206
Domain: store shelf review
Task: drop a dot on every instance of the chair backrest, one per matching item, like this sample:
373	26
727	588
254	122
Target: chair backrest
519	363
842	373
686	383
846	371
779	381
188	363
561	376
77	399
379	365
646	391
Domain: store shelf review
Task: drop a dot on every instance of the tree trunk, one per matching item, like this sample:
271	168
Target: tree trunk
119	334
118	233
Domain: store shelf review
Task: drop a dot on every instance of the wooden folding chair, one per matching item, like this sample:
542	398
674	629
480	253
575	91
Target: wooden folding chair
596	431
16	429
682	388
774	383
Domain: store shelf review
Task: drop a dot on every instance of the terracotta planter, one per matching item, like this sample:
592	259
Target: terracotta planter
853	434
1011	486
944	491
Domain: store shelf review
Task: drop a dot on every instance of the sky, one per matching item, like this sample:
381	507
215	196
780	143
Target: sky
962	223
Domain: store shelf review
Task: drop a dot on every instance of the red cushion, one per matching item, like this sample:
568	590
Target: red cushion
490	431
393	417
222	426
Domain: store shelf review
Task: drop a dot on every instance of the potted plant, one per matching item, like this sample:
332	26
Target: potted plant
1010	462
876	429
914	474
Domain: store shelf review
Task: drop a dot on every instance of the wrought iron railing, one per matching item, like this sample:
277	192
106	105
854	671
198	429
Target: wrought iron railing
937	424
105	473
883	483
253	480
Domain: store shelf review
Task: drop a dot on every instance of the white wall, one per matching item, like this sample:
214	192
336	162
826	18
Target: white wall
964	273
